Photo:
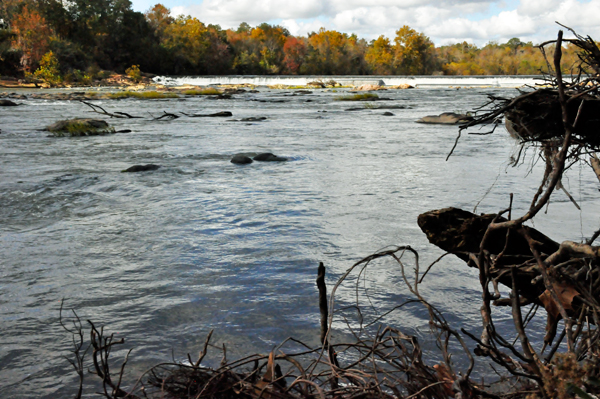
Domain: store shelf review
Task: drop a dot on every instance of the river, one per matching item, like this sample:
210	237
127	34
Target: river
163	257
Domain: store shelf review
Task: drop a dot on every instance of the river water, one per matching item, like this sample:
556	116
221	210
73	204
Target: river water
163	257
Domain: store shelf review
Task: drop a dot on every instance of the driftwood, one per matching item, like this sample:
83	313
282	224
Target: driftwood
460	233
98	109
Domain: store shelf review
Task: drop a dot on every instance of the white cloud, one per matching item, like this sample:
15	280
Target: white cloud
476	21
303	28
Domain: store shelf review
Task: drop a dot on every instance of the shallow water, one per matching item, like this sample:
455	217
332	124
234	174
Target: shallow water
163	257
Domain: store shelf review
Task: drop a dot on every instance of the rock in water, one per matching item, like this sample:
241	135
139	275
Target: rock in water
241	159
7	103
220	114
268	157
447	118
80	127
387	114
140	168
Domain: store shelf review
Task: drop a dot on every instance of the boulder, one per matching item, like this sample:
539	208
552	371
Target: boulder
7	103
369	87
241	159
80	127
447	118
268	157
387	114
140	168
402	86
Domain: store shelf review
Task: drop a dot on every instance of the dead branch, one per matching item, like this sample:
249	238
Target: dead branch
98	109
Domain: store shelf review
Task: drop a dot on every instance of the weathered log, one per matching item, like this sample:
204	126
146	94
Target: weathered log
461	232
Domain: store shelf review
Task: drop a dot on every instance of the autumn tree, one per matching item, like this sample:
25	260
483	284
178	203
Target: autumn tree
159	18
413	53
31	37
380	56
460	59
333	53
196	48
294	51
258	50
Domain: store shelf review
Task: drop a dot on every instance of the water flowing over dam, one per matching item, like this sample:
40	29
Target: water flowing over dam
416	81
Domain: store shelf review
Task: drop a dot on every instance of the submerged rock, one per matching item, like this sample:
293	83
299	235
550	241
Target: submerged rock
241	159
7	103
140	168
250	119
387	114
268	157
447	118
80	127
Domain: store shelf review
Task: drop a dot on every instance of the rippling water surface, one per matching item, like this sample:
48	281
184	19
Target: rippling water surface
163	257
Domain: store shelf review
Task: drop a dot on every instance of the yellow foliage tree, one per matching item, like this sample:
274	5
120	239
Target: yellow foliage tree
380	57
413	53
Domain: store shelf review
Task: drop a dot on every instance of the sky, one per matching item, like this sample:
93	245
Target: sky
444	22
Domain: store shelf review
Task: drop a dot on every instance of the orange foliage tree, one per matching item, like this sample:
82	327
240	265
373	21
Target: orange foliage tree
294	51
159	18
334	53
32	37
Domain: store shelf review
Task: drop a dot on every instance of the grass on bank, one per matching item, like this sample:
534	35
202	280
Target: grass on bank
211	91
145	95
358	97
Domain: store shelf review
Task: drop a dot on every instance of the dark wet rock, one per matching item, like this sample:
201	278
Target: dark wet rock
303	92
393	107
355	109
124	131
308	101
241	159
253	91
220	114
387	114
14	96
268	101
268	157
80	127
234	91
221	97
250	119
216	114
447	118
141	168
7	103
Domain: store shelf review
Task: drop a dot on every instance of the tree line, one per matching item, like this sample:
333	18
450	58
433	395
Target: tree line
81	38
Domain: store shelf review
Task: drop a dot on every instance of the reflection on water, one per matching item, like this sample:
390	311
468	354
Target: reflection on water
163	257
